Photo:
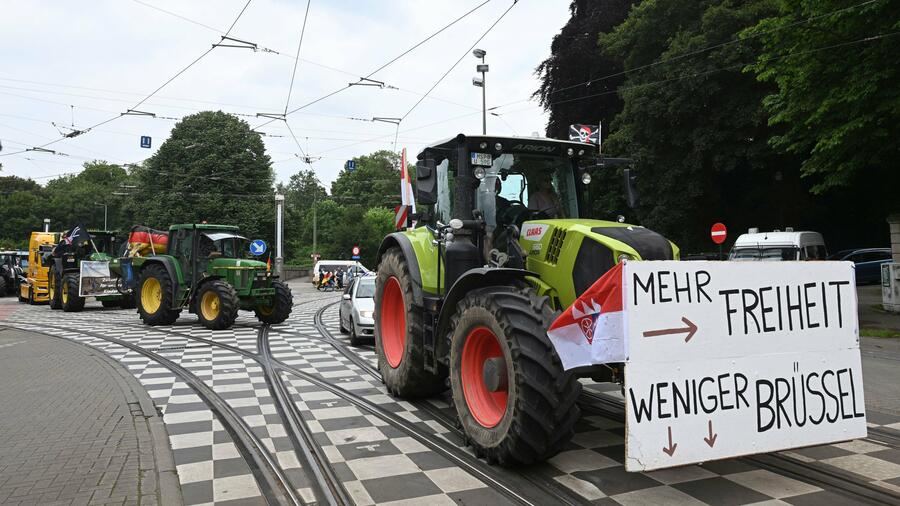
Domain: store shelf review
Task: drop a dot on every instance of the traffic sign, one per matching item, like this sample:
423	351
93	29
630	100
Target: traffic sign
145	141
718	233
258	247
351	165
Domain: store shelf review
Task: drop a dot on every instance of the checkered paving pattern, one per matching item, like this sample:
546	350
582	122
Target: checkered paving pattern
380	463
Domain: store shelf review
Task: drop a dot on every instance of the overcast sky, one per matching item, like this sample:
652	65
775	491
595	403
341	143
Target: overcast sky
102	57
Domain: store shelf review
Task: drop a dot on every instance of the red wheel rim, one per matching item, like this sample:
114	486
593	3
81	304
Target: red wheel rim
486	407
393	322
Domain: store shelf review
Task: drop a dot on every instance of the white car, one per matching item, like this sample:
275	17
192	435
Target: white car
357	309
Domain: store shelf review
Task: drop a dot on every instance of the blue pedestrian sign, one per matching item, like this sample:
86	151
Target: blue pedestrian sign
258	247
351	165
145	141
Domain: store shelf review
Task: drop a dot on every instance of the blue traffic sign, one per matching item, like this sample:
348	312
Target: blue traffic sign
351	165
355	257
258	247
145	141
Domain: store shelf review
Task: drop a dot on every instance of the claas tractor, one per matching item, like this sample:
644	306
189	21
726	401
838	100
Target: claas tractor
465	297
206	269
34	288
68	291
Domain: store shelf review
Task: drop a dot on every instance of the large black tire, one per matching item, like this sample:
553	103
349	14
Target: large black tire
341	326
217	305
399	332
4	288
154	296
538	415
70	300
284	303
355	340
53	285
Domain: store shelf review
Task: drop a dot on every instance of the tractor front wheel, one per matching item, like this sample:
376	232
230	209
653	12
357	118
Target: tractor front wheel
515	402
53	289
217	305
154	296
399	332
70	300
283	303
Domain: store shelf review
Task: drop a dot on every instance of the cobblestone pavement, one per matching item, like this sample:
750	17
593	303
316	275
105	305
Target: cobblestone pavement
75	430
384	450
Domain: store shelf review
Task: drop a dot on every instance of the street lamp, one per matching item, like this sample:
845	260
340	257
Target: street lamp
104	213
481	82
279	233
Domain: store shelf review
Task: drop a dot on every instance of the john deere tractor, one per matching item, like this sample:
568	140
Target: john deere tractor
64	277
500	249
206	270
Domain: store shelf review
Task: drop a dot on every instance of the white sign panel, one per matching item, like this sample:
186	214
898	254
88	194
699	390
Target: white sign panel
96	280
736	358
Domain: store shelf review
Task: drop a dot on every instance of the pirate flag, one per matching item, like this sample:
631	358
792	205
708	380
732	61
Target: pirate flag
589	134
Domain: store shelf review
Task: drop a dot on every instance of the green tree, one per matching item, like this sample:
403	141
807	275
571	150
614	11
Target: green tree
693	121
374	183
20	209
301	193
213	168
79	198
837	102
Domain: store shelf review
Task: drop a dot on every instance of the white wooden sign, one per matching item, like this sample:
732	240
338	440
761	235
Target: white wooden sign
736	358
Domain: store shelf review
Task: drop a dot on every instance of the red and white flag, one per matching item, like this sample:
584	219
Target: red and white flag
591	330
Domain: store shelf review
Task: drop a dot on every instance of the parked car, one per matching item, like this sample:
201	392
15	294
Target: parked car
356	309
778	246
868	262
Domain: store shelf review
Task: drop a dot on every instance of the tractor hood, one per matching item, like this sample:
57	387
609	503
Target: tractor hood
569	255
236	264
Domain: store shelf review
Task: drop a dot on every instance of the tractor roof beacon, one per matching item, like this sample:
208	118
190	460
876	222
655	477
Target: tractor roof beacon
206	269
501	248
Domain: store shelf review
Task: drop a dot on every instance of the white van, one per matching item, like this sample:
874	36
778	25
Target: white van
778	246
351	268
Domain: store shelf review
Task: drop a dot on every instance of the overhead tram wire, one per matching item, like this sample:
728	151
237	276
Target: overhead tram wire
297	58
382	67
696	51
133	109
483	35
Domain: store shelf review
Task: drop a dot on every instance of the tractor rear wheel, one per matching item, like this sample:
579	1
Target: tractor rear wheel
70	300
515	402
283	303
154	296
53	289
399	332
217	305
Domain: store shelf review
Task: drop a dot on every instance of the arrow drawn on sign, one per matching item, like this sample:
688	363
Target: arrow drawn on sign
671	449
711	440
691	329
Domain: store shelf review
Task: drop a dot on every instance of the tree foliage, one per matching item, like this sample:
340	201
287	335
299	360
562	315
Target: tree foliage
212	168
837	101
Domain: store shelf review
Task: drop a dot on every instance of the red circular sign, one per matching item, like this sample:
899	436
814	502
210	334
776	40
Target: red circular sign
356	251
718	233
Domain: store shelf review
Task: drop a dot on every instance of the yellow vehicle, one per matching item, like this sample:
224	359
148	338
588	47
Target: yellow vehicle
35	287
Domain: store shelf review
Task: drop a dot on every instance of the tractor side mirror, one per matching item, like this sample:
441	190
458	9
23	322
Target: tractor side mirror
631	193
426	182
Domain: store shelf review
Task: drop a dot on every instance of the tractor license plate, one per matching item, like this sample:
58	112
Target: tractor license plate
482	159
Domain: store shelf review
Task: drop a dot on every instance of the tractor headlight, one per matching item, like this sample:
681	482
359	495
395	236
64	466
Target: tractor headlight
570	152
586	178
483	145
479	173
625	256
498	147
365	314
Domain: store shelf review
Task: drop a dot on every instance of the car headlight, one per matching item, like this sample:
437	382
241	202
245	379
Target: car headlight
365	314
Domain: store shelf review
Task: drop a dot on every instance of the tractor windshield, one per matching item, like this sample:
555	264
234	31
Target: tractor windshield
222	245
518	187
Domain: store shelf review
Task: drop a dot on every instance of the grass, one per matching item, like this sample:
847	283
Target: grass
881	333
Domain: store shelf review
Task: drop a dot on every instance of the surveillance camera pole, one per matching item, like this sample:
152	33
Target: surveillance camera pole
279	234
483	68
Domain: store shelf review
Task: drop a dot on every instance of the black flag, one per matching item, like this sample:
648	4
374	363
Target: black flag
589	134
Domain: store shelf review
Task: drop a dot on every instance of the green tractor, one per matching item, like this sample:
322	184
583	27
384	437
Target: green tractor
66	288
499	251
205	269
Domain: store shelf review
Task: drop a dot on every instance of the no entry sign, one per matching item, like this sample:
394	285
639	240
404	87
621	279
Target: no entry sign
727	359
718	233
355	251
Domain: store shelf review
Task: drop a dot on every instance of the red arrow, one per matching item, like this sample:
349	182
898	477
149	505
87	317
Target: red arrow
671	449
691	329
711	440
